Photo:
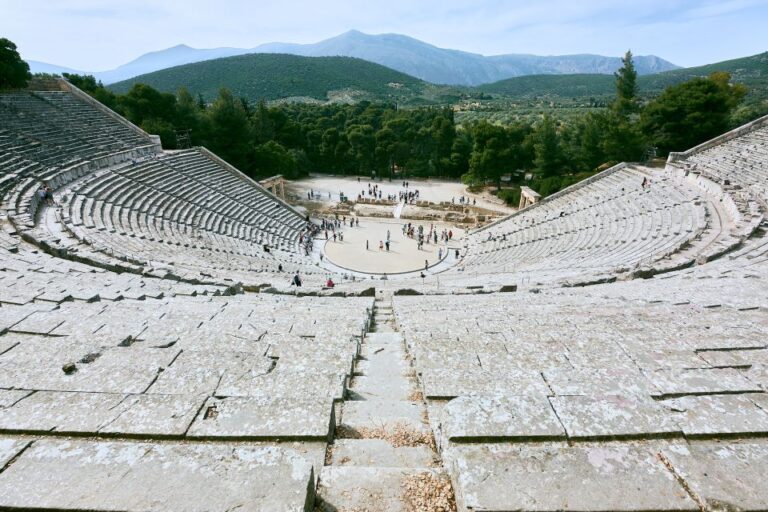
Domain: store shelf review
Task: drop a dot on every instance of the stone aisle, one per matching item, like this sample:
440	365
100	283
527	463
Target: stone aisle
383	457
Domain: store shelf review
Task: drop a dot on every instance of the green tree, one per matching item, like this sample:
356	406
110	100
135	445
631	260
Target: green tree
143	102
549	159
626	87
271	158
230	130
690	113
622	139
88	84
14	72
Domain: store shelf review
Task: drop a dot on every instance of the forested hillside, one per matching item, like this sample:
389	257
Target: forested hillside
277	76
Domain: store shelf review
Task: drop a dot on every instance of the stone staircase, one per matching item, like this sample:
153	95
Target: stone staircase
383	457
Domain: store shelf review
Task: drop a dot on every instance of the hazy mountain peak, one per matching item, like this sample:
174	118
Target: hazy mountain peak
399	52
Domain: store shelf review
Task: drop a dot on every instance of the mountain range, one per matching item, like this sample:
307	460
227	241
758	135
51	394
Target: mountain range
398	52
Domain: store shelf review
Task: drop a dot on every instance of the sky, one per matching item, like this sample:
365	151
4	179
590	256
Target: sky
96	35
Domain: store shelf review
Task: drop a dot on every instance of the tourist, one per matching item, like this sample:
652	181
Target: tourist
387	245
296	280
450	235
330	283
426	265
387	235
440	253
334	236
280	267
366	245
457	254
381	245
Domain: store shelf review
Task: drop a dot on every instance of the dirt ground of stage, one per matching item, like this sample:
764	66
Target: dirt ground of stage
403	254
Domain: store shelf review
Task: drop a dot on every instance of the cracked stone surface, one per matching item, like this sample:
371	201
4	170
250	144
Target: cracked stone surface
82	475
726	475
700	381
554	476
506	417
264	418
447	384
613	416
719	414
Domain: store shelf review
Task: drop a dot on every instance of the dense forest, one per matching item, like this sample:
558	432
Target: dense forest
295	139
275	76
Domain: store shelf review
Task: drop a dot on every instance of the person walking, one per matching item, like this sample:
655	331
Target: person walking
366	245
426	265
296	280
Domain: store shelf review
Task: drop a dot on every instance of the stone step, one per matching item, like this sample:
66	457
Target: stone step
377	413
383	337
381	386
381	453
384	360
374	489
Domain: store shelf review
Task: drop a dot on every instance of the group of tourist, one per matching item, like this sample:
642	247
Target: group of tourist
464	200
45	194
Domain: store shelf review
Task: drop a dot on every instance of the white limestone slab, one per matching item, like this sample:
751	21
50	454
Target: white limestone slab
380	453
738	358
610	416
758	375
46	411
139	476
10	448
555	476
718	414
700	381
200	371
470	418
264	418
377	413
8	397
450	383
123	370
598	381
282	384
726	475
155	415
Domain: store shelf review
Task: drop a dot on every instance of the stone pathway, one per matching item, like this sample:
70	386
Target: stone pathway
383	457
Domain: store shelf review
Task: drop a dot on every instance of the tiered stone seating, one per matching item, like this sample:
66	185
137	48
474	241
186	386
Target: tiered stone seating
593	398
135	376
236	387
144	211
601	228
125	206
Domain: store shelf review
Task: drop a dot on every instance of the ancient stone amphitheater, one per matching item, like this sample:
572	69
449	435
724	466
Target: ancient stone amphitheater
606	349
